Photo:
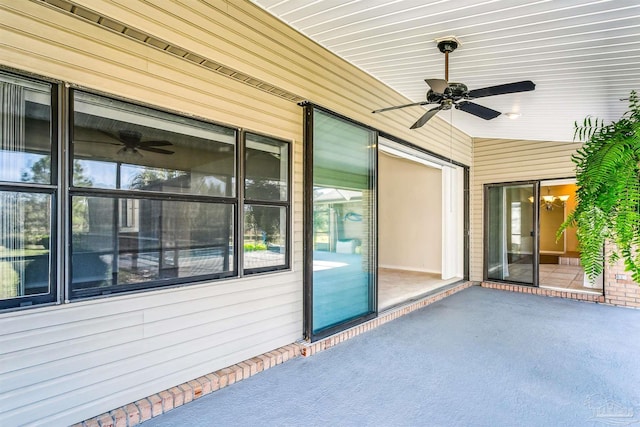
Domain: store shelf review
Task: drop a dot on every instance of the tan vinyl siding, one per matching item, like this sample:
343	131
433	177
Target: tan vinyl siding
67	363
70	362
502	160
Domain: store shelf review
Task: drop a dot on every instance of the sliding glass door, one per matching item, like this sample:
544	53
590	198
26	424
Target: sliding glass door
511	244
341	212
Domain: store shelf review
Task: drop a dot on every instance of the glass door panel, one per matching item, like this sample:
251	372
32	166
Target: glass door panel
510	238
343	243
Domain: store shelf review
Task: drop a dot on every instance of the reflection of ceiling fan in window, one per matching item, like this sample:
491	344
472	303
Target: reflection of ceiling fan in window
131	142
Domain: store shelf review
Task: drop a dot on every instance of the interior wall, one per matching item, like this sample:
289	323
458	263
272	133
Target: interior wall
409	215
548	231
550	221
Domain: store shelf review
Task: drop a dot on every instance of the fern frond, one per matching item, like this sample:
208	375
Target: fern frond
608	195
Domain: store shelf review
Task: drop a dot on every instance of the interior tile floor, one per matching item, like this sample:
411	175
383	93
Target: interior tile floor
564	277
398	286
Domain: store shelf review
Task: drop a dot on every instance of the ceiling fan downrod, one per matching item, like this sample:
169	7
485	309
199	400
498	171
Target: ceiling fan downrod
446	47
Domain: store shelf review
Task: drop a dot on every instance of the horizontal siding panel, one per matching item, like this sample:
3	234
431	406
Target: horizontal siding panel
162	320
59	340
68	347
104	307
127	358
175	81
192	366
159	373
44	335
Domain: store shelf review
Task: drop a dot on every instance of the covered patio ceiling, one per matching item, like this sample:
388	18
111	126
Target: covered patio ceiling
583	56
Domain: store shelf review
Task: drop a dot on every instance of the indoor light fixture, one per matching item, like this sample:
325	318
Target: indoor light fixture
549	200
512	115
129	153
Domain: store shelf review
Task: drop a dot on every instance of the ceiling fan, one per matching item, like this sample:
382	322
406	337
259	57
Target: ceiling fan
131	142
449	94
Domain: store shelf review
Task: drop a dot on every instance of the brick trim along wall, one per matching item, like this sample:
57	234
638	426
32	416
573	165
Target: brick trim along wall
619	289
164	401
580	296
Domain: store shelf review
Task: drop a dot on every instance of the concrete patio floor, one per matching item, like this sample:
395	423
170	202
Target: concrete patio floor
481	357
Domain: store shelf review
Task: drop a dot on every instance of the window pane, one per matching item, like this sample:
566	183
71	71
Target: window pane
118	242
25	230
266	168
344	212
125	146
265	236
25	130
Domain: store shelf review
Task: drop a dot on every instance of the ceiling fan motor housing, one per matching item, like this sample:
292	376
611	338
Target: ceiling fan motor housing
458	90
455	91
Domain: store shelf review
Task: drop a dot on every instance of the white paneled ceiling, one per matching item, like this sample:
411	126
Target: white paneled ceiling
583	56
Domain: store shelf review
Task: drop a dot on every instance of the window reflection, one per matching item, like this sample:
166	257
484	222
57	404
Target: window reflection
25	233
127	241
118	145
266	186
25	216
343	221
266	168
264	236
25	146
181	226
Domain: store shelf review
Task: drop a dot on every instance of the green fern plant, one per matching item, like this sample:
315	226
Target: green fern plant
608	195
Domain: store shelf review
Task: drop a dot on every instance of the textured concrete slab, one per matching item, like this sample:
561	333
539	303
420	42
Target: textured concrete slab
481	357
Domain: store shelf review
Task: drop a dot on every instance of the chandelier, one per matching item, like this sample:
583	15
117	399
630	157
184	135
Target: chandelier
549	201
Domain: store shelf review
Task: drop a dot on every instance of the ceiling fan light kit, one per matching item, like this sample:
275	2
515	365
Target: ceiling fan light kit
457	95
129	152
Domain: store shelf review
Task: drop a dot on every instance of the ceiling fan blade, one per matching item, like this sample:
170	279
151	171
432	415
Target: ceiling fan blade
153	144
522	86
382	110
85	141
426	116
478	110
155	150
437	85
116	140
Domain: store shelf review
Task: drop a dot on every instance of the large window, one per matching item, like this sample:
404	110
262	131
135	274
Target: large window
27	192
152	200
142	198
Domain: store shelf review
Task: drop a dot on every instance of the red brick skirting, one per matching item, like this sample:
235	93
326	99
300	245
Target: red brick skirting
164	401
582	296
157	404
